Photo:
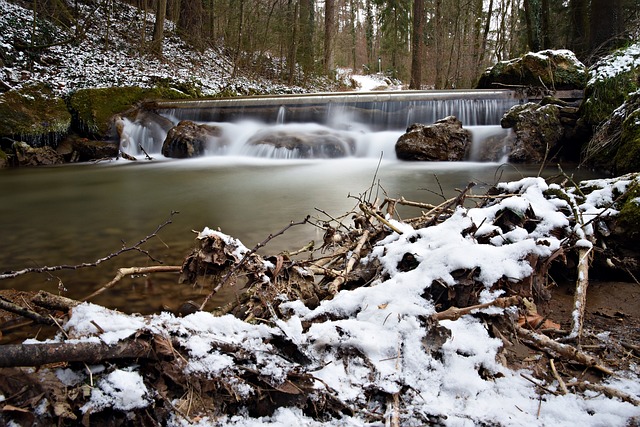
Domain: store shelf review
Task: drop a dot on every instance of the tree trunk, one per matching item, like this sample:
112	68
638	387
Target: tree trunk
305	53
606	24
531	21
439	44
579	28
329	37
416	44
293	42
546	29
158	27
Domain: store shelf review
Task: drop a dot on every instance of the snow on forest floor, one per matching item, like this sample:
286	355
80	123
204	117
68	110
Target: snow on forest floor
373	354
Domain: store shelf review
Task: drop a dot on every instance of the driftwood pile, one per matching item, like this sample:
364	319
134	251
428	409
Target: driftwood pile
311	275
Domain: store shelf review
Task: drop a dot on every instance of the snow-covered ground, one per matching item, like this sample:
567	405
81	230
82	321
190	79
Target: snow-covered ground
372	340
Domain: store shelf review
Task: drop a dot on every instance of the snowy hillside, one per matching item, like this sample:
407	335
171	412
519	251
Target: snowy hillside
109	55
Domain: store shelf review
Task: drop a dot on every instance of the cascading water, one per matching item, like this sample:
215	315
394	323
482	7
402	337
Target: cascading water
319	126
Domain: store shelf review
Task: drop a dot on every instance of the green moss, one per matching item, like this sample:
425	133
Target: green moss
629	216
92	109
34	115
627	158
602	97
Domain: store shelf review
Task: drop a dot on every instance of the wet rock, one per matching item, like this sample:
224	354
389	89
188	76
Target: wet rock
188	139
541	132
445	140
304	144
548	69
35	156
84	150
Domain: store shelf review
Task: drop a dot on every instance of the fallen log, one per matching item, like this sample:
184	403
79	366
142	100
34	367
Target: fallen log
547	344
15	355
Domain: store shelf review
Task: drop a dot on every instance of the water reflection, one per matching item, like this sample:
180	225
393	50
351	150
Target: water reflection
80	213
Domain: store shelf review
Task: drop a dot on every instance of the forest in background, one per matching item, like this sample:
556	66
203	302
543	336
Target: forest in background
429	43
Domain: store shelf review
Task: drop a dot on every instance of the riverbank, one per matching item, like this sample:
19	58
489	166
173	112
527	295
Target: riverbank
378	337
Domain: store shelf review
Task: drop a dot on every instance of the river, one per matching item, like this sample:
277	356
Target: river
79	213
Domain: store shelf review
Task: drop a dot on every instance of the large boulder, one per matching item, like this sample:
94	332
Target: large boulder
549	69
188	139
34	115
541	132
317	143
445	140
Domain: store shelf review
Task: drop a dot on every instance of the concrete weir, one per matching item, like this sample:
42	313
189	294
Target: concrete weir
347	110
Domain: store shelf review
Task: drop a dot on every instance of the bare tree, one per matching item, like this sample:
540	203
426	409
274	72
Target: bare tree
158	27
329	35
416	44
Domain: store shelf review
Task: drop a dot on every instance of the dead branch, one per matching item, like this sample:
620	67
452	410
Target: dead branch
454	313
370	212
334	287
88	352
135	247
14	308
123	272
237	266
54	302
580	297
547	344
609	391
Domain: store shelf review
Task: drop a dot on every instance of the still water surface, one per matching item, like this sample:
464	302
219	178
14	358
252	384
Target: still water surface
79	213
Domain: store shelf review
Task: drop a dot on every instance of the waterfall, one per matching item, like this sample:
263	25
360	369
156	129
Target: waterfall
323	125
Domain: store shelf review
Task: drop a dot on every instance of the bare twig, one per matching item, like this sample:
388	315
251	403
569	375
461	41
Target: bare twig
334	287
136	247
123	272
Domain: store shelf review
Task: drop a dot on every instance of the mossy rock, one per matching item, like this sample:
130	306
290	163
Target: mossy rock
93	109
34	115
626	228
613	78
553	69
615	147
627	158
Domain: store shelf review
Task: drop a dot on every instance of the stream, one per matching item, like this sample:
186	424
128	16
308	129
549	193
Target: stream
74	214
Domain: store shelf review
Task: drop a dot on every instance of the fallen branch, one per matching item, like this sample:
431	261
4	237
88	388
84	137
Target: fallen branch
123	272
86	352
547	344
580	297
454	313
609	391
16	309
136	247
334	287
52	301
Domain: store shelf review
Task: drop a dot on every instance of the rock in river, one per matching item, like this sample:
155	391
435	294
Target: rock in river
445	140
